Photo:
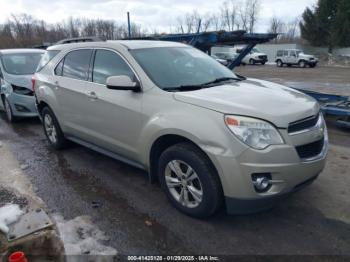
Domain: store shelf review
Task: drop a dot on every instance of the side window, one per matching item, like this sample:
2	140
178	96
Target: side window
59	68
108	63
280	53
1	75
76	64
285	53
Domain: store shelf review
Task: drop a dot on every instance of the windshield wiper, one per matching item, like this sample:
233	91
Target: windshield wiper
222	79
184	88
200	86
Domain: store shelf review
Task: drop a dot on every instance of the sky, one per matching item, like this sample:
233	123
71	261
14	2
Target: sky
151	14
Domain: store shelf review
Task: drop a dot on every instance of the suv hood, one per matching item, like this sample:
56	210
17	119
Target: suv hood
258	54
254	98
19	80
301	55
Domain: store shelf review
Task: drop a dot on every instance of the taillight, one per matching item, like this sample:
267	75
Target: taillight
33	83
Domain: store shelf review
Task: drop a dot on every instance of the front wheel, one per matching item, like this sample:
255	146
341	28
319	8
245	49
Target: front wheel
190	181
302	64
52	129
279	63
9	114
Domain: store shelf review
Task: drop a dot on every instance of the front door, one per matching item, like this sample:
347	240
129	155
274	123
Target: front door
113	116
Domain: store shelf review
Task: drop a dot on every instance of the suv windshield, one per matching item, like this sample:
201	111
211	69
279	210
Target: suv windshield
21	64
174	67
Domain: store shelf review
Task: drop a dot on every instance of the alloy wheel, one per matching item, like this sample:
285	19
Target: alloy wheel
50	129
183	183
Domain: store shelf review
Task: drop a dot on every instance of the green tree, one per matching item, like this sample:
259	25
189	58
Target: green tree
327	24
342	24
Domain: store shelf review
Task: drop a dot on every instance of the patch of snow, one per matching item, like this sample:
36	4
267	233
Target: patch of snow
81	237
9	214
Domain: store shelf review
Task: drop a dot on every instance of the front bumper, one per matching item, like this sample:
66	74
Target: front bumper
282	163
22	105
248	206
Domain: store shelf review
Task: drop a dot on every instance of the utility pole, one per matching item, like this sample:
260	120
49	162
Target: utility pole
129	27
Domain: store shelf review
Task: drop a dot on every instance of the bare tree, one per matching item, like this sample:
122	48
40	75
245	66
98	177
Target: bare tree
253	7
276	27
229	16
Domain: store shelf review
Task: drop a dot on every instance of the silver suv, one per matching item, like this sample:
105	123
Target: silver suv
207	135
291	57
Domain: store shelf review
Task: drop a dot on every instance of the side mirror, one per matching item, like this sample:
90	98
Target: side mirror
122	82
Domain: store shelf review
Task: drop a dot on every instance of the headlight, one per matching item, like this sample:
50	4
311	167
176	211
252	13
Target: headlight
254	132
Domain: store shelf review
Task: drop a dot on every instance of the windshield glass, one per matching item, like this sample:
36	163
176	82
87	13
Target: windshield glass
172	67
299	52
21	64
255	50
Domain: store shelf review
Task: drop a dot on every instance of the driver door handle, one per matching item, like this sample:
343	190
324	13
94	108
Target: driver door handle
92	95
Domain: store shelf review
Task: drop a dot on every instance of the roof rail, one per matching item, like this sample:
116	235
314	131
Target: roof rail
80	39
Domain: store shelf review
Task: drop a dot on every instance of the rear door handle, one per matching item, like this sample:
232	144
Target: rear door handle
92	95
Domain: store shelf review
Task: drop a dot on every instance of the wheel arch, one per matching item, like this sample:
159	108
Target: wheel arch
161	144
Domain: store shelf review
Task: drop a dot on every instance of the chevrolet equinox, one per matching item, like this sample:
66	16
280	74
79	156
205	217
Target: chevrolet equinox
210	137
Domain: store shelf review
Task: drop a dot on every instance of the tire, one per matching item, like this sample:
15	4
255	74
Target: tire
279	63
302	64
251	61
202	191
8	110
312	66
263	63
52	129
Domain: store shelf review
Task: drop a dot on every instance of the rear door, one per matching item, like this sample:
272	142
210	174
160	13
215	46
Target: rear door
113	116
71	91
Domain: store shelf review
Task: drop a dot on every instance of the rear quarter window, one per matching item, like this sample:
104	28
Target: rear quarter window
47	57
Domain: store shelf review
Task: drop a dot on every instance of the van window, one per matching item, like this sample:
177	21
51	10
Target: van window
108	63
285	53
76	64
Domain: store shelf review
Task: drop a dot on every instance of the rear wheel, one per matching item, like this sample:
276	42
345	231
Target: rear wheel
9	114
52	129
190	181
279	63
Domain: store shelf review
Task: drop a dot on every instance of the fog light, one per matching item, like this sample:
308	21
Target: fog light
262	182
21	108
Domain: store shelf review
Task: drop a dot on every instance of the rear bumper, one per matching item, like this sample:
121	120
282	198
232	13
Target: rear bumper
236	206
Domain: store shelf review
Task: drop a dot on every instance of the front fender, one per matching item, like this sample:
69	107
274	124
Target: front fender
203	127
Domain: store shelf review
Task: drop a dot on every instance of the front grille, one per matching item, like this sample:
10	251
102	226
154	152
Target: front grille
310	150
303	124
262	56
